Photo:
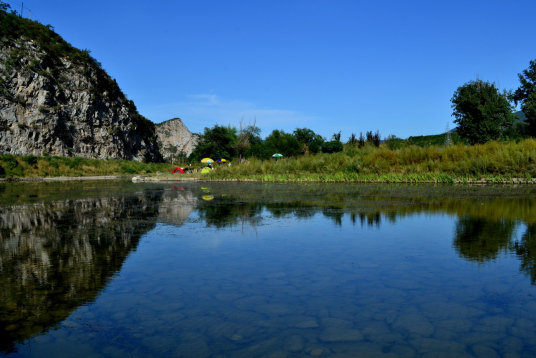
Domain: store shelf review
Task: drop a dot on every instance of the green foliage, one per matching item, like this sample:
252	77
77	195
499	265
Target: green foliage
10	161
15	166
393	142
373	138
310	141
434	140
30	159
481	112
280	142
492	162
526	95
4	6
361	140
216	142
333	146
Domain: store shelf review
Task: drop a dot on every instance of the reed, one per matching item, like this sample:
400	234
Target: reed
491	162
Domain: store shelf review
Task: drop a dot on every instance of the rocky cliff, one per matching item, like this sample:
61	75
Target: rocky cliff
174	139
57	100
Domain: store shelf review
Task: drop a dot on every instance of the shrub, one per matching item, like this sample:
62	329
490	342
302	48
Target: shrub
10	162
30	159
333	146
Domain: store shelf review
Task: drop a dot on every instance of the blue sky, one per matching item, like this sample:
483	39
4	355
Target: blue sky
338	65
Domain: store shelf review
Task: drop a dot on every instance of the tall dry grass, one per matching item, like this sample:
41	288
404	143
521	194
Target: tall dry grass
501	160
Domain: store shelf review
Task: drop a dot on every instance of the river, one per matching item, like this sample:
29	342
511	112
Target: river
194	269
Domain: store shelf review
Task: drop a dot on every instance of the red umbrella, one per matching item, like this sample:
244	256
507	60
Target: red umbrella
177	170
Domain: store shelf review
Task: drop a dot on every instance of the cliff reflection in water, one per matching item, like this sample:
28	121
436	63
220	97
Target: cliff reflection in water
56	256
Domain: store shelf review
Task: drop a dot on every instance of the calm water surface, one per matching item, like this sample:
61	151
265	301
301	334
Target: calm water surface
118	269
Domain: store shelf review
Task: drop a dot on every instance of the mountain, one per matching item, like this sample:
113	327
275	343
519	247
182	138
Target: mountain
175	140
57	100
521	116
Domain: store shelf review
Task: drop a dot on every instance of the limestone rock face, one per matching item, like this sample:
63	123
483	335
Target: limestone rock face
174	139
54	105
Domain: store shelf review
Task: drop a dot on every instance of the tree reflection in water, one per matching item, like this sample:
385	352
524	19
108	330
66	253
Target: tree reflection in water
478	239
525	249
58	254
481	232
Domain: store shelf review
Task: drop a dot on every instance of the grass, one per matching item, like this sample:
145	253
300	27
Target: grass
30	166
493	162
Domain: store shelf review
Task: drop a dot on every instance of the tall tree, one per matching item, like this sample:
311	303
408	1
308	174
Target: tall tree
526	95
310	141
481	111
216	142
280	142
245	137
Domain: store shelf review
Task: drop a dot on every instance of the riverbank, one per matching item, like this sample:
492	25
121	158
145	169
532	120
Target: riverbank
493	162
103	177
328	179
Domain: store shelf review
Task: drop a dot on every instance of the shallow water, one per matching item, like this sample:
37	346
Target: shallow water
118	269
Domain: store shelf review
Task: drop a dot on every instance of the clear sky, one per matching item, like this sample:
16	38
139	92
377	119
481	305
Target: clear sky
332	65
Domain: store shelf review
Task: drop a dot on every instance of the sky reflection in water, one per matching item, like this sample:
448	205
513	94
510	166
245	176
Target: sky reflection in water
270	270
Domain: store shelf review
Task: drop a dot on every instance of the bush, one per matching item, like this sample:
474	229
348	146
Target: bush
10	162
333	146
30	159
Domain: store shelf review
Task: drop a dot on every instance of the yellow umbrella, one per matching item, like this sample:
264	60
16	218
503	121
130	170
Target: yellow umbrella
207	160
222	160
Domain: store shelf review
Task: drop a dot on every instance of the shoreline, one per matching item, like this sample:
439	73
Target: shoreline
163	178
33	179
482	181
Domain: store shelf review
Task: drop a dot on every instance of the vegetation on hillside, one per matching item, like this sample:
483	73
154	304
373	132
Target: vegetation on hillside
13	28
31	166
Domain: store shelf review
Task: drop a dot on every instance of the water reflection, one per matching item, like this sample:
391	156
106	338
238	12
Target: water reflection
56	256
61	247
479	239
525	249
485	226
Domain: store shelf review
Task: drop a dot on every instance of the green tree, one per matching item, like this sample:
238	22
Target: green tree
216	142
280	142
481	111
333	146
257	148
526	95
4	6
310	141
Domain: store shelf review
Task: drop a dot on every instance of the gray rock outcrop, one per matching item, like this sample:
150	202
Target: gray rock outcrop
174	139
54	104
